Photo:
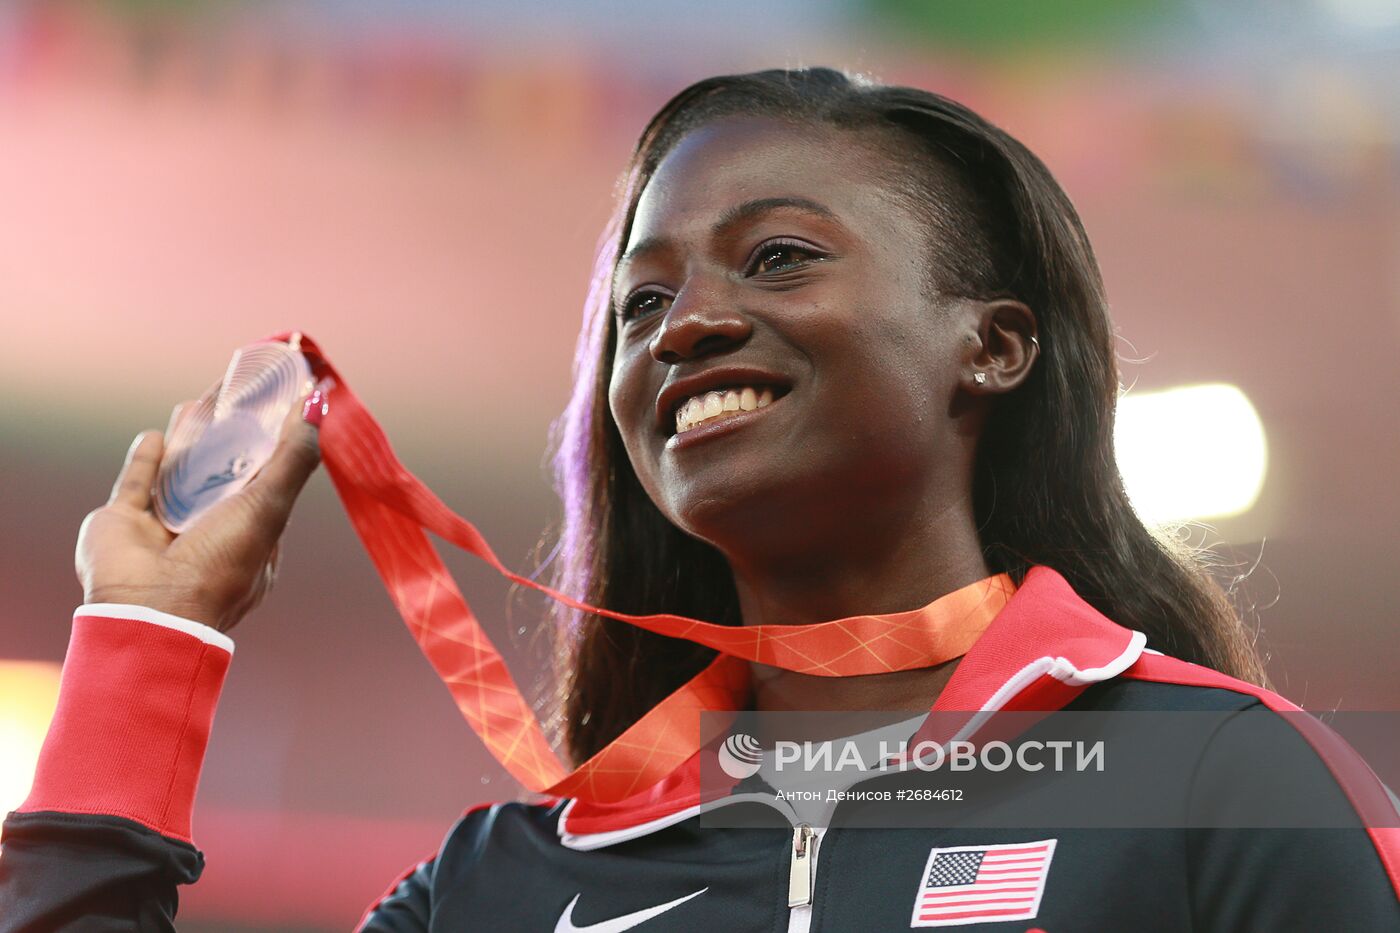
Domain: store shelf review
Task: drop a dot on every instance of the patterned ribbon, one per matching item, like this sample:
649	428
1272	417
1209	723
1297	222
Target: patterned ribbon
391	510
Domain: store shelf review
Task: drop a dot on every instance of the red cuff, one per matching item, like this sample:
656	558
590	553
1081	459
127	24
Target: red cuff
135	705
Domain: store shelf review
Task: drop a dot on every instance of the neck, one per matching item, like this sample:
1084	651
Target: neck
889	569
778	690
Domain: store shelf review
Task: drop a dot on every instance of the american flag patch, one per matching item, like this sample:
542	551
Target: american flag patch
982	884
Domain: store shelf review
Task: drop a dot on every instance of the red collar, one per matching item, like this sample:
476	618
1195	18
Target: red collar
1039	653
1045	631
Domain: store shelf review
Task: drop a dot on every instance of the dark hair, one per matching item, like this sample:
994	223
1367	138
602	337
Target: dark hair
1046	485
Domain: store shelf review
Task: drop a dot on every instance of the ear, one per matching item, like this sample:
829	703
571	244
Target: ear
1007	347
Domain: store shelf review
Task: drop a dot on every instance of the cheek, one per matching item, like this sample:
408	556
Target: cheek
890	367
632	414
622	384
630	405
616	393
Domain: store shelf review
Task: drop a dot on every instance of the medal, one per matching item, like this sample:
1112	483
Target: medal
221	442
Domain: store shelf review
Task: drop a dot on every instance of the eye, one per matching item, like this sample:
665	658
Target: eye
782	256
642	303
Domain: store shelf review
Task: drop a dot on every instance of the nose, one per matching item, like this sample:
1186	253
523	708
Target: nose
701	321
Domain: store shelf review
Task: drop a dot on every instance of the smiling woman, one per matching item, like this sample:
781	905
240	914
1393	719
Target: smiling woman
866	252
845	385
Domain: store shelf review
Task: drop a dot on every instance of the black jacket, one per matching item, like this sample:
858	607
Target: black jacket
102	844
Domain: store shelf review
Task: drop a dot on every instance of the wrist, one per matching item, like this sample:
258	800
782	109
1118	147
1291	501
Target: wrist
157	599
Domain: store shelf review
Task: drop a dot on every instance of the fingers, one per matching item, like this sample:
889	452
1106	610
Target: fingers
138	473
297	454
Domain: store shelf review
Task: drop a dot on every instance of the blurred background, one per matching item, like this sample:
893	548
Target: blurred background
420	186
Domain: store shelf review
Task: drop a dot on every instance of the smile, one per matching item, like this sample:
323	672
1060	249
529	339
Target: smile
764	400
720	404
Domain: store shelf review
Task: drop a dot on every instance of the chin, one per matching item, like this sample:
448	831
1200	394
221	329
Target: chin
739	513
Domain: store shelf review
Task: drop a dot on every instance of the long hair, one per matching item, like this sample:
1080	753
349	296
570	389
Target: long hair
1046	485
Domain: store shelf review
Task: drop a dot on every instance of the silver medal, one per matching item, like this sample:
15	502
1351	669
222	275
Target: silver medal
220	443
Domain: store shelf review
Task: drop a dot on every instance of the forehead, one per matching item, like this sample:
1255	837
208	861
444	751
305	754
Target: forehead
735	160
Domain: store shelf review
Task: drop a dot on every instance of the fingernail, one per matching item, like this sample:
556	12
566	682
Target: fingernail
315	408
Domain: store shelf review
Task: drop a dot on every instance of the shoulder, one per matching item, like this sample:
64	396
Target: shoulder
1158	682
469	853
1260	761
1243	723
487	826
1246	741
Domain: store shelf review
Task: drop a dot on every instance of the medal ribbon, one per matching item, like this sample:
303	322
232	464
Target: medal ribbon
391	510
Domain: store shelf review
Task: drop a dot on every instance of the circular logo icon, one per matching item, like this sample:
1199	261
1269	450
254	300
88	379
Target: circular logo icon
740	756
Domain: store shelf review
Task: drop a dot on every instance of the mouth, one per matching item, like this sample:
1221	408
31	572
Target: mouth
696	420
720	404
715	400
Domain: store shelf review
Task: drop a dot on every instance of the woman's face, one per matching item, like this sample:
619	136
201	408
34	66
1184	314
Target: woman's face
781	363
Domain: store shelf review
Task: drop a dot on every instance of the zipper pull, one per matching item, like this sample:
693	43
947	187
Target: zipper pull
800	874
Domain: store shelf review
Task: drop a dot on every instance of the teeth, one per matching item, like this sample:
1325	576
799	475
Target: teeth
699	409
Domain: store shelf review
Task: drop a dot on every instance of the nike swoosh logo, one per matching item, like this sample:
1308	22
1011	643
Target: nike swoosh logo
618	924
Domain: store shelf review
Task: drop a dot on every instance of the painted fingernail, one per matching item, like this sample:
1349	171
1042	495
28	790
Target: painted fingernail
315	408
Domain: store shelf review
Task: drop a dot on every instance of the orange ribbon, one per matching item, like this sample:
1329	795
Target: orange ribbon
391	510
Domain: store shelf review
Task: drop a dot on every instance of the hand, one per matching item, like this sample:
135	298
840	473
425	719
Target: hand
220	567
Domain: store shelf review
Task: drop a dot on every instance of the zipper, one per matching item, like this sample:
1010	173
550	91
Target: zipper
802	876
800	871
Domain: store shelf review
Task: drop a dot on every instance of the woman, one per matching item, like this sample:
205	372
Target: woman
848	353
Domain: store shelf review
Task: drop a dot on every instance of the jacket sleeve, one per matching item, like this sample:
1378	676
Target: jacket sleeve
1291	831
104	837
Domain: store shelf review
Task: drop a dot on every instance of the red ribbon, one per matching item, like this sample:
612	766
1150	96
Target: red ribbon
391	510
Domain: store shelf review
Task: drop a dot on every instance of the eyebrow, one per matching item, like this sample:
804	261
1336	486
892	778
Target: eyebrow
733	216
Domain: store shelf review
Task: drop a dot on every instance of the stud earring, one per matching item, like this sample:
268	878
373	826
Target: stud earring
979	378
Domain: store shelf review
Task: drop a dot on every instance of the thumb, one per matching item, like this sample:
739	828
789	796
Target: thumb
295	458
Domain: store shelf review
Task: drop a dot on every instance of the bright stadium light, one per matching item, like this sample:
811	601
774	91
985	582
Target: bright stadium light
1191	452
28	695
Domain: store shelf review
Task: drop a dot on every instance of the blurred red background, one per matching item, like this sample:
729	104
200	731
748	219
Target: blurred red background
423	195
